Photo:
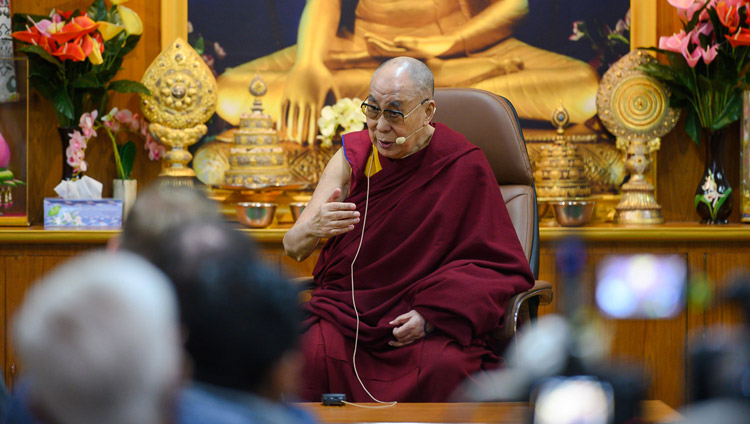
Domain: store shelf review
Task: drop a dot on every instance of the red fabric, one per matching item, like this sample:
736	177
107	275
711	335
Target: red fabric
439	240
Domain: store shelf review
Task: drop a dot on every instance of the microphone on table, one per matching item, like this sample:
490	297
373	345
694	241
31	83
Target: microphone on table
402	140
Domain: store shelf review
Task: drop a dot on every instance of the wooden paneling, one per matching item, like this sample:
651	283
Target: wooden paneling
22	266
3	314
658	346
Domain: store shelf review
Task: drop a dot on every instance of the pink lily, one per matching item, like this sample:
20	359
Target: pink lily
710	54
701	29
674	43
692	58
687	8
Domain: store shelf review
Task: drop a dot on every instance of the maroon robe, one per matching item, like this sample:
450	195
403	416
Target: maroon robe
438	240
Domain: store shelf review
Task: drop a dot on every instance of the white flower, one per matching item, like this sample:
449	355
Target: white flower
345	116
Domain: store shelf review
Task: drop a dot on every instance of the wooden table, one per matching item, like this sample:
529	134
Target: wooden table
500	412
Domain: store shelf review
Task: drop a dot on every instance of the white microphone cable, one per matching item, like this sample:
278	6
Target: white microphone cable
354	303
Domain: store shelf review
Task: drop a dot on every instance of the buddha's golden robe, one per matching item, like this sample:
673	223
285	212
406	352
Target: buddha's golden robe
466	43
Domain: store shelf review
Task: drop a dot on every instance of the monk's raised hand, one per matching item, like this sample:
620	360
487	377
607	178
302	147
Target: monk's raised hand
409	327
334	217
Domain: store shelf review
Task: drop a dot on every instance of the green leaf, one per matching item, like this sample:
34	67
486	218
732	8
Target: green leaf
200	45
659	71
21	20
42	54
692	125
63	104
731	112
127	157
130	44
700	198
721	201
44	86
128	86
88	80
98	10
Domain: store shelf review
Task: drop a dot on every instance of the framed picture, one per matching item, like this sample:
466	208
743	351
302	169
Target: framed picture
541	38
14	130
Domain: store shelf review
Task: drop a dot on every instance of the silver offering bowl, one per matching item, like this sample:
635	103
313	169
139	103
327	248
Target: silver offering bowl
255	214
573	213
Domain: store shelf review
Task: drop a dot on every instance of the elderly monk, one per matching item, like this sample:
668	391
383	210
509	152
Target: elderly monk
431	273
467	43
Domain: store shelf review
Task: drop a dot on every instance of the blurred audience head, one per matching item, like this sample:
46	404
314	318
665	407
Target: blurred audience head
241	318
99	341
160	209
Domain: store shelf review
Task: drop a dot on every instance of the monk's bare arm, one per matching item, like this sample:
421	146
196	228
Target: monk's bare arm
325	214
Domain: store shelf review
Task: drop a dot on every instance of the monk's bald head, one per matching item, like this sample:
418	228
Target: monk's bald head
419	75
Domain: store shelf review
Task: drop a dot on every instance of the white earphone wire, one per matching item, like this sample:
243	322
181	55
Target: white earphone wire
354	303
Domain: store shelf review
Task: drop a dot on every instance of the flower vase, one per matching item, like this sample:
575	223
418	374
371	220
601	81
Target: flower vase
67	170
125	190
713	197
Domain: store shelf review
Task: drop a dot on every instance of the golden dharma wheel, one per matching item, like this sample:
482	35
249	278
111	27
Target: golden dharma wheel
183	89
632	104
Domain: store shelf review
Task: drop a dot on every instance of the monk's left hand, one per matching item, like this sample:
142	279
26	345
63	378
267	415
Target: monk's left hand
409	327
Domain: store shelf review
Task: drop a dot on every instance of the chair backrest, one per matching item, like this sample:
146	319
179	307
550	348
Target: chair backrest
491	122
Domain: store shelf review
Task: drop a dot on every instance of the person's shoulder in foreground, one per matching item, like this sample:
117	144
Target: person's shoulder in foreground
205	403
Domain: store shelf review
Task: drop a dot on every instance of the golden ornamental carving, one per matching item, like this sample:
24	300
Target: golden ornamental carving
183	98
183	88
635	108
560	171
256	159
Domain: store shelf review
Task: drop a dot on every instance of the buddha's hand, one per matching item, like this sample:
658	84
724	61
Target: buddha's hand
333	217
410	327
418	47
305	93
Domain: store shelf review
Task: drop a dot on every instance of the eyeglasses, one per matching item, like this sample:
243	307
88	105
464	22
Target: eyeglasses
395	117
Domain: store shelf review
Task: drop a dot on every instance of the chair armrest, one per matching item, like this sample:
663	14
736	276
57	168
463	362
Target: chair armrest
304	287
524	305
303	283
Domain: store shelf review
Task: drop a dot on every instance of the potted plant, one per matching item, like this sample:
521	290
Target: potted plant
119	126
74	57
706	75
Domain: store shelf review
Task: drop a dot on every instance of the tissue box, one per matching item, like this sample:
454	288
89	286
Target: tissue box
82	213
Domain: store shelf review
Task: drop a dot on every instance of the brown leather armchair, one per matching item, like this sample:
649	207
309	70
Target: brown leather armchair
490	122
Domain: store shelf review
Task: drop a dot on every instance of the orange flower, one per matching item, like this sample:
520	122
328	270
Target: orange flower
729	16
741	38
77	27
93	49
71	51
33	36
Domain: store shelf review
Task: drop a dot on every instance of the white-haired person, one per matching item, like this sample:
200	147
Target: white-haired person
99	342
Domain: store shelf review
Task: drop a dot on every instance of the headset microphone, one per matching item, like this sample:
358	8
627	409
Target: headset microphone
402	140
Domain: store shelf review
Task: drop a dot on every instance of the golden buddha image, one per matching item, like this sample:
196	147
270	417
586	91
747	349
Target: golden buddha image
467	43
